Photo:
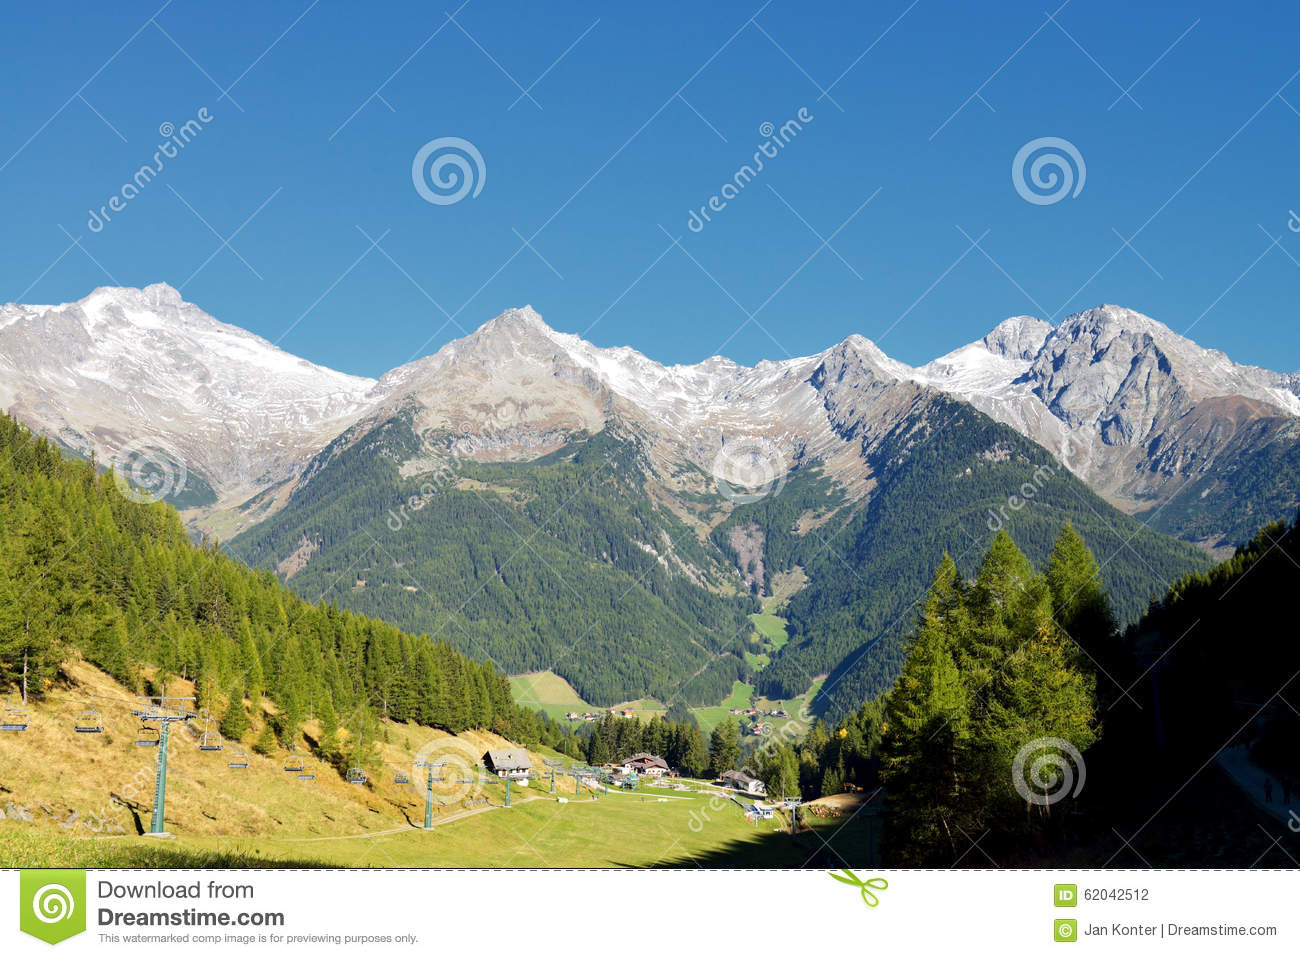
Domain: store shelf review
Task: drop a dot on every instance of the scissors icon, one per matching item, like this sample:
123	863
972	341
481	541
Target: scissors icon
865	887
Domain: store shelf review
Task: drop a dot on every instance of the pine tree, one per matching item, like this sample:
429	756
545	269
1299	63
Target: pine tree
724	747
234	724
1080	604
927	721
329	729
694	758
779	771
265	744
1039	694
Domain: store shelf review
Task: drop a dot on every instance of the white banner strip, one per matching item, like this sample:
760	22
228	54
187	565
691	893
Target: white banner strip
555	913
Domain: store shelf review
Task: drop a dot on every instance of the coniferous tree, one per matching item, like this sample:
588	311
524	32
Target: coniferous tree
266	743
779	770
234	723
694	758
724	747
329	729
928	728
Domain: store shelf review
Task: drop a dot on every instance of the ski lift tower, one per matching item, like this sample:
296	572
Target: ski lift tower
792	806
513	777
552	766
163	710
428	790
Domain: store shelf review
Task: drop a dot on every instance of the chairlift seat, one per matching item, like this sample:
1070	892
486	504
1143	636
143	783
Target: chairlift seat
148	736
89	722
15	717
293	764
210	742
308	773
356	776
238	760
401	778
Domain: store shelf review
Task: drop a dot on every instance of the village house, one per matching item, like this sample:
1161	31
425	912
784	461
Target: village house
508	761
743	782
643	763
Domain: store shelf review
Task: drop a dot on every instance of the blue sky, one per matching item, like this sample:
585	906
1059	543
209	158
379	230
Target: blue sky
635	115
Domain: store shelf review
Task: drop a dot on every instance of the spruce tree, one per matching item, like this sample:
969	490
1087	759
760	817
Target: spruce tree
234	724
1080	604
927	721
724	747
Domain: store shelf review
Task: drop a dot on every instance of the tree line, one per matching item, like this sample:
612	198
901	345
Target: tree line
85	569
982	733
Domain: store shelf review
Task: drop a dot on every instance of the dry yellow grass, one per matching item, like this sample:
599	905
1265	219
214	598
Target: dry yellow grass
96	784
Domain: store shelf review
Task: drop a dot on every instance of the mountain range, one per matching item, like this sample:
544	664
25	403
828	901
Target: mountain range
551	504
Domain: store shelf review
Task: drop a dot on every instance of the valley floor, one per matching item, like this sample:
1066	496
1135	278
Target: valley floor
632	829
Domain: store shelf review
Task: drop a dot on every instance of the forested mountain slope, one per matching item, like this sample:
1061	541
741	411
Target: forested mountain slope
562	563
949	479
82	567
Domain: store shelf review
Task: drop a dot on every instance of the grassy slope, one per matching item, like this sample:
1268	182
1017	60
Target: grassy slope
554	696
263	815
619	829
54	772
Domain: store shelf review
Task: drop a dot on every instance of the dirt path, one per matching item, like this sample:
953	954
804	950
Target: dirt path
1250	778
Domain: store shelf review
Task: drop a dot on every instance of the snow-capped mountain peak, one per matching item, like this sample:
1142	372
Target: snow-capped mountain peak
142	367
1129	405
1020	337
